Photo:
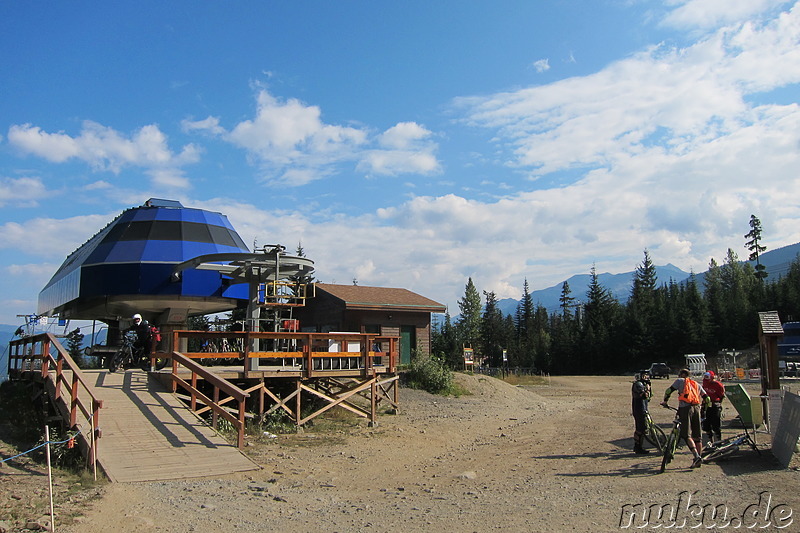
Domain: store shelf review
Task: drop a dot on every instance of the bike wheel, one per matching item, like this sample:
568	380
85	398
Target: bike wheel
160	362
669	452
115	361
656	436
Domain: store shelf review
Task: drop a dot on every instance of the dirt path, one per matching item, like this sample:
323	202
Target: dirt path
549	458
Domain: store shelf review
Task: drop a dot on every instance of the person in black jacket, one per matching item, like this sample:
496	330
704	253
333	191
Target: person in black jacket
640	398
143	333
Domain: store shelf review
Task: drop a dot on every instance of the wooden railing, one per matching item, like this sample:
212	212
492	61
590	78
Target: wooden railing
31	358
310	353
218	385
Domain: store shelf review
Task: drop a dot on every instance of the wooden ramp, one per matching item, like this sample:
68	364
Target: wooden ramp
148	434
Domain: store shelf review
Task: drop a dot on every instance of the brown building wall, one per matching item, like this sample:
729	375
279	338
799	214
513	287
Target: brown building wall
325	313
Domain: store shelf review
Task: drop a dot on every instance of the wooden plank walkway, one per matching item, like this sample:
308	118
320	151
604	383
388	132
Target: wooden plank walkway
148	434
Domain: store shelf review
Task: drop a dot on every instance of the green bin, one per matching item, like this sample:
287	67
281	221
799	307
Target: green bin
749	409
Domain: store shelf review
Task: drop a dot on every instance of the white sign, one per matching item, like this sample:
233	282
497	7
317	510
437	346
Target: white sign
788	430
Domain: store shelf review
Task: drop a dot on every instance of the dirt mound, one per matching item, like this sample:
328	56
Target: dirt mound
496	390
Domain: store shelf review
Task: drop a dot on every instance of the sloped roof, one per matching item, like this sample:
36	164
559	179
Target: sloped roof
770	323
361	297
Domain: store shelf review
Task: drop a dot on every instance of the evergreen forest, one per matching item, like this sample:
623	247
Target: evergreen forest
597	334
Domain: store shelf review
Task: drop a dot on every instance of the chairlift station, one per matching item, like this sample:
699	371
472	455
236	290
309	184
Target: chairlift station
303	348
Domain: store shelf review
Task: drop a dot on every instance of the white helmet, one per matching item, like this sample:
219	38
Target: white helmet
137	317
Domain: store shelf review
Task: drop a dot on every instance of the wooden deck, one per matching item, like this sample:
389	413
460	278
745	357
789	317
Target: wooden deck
149	435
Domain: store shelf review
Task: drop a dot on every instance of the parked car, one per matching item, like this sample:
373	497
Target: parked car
659	370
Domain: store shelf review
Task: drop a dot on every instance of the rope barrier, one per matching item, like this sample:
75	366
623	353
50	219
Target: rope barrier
41	445
65	441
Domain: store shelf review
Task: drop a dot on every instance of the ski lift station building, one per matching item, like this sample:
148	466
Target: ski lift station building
169	262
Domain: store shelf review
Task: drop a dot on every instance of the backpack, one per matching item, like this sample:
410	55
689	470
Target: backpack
155	333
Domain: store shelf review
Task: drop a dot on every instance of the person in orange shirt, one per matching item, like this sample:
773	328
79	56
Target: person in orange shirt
690	396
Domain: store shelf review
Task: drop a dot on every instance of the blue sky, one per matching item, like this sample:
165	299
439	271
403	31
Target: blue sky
409	144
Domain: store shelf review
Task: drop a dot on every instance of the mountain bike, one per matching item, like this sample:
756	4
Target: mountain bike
727	447
129	355
654	434
672	440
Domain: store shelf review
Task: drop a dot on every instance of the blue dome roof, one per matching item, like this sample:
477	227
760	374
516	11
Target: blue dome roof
128	264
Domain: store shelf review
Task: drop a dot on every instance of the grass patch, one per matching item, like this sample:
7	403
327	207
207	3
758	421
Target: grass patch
456	390
525	380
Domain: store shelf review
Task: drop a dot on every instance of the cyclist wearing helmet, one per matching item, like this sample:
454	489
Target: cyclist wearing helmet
143	337
640	397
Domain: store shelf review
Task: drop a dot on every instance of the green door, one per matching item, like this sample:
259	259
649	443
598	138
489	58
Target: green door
408	340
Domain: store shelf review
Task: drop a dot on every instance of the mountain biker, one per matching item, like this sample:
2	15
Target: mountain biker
690	396
713	408
144	338
640	397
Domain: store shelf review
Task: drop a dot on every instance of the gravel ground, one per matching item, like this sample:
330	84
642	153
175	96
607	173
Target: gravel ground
554	457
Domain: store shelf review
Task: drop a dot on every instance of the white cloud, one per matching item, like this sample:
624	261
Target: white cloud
294	146
403	136
106	149
98	186
541	65
210	125
407	148
22	192
51	238
714	13
394	162
288	132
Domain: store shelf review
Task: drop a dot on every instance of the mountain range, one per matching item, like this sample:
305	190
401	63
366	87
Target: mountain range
776	261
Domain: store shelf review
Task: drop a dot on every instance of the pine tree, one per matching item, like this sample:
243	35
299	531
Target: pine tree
601	312
75	346
755	248
444	343
695	319
542	340
642	312
714	297
492	329
524	351
565	301
470	319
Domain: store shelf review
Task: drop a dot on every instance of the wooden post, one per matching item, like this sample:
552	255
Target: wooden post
366	346
308	359
45	358
261	398
373	393
194	388
396	394
214	411
59	373
297	414
73	400
240	440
